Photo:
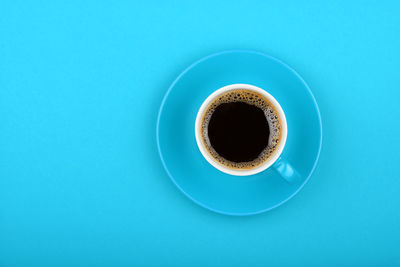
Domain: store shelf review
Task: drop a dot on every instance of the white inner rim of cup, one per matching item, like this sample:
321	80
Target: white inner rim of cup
223	168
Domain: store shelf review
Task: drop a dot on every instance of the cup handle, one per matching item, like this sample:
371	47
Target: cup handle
286	170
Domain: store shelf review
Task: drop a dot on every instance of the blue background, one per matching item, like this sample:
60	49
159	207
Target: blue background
81	183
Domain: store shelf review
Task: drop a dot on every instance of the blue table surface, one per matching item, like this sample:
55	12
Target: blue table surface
81	183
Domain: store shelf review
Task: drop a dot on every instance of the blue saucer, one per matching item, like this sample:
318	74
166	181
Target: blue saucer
200	181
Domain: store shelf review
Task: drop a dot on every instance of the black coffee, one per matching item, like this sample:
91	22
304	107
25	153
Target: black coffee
238	131
241	129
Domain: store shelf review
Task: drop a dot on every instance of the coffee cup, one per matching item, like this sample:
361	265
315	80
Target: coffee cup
241	130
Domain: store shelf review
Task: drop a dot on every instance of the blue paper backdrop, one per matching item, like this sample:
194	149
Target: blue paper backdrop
81	183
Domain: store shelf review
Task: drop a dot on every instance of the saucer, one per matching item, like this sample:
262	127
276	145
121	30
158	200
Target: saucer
194	176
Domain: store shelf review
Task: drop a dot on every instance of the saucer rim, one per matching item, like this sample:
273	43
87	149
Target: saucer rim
162	107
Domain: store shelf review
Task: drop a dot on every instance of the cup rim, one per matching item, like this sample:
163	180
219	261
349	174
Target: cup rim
223	168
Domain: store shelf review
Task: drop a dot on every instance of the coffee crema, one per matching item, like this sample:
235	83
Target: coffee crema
241	129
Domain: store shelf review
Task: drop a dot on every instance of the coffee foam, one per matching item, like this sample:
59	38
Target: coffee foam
252	98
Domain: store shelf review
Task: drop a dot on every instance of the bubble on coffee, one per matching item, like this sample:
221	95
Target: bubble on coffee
250	100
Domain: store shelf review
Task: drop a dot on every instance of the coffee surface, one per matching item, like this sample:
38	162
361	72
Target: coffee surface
238	131
241	129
